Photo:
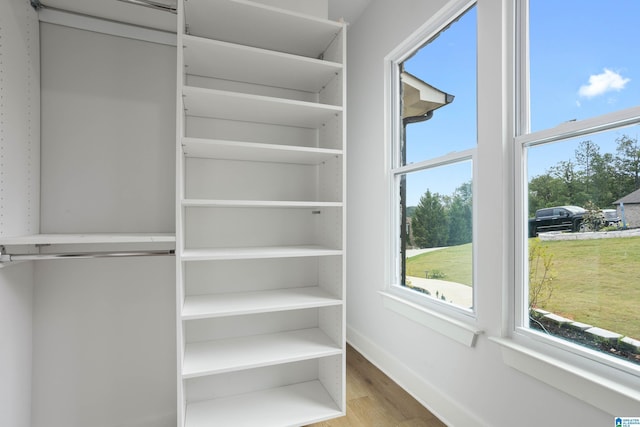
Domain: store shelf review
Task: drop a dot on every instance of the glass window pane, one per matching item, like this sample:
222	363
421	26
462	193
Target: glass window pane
584	264
437	233
583	59
442	82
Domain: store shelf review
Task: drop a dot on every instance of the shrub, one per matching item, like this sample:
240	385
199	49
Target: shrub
592	219
436	274
541	274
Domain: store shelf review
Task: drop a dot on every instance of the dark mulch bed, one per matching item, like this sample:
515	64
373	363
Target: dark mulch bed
580	337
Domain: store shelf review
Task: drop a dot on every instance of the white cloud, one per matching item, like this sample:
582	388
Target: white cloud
602	83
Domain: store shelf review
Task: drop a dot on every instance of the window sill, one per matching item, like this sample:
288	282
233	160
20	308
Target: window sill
448	326
597	390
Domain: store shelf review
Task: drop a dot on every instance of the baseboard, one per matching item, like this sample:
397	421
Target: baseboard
441	405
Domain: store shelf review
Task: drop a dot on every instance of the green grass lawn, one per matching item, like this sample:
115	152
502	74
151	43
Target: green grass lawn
597	281
454	262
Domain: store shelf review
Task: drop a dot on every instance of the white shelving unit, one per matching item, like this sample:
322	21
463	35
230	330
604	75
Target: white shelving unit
260	235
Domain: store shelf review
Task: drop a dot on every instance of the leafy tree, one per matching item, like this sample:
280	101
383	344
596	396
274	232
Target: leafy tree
565	171
459	212
628	163
589	177
429	222
585	154
605	182
545	191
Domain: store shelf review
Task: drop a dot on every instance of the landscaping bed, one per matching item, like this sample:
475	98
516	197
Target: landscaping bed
587	336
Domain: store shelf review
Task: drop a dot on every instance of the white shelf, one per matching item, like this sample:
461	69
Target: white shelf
257	252
253	24
233	354
228	61
234	304
256	152
293	405
89	238
201	102
204	203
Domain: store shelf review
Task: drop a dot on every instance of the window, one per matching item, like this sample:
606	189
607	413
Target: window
433	165
577	136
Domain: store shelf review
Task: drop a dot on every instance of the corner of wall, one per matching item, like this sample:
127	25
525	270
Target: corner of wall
443	406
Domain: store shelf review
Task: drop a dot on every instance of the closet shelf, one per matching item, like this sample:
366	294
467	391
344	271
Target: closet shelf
228	61
254	24
233	354
205	203
213	103
256	152
241	303
88	238
257	252
291	405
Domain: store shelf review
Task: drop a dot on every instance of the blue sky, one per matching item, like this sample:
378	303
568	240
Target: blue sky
584	62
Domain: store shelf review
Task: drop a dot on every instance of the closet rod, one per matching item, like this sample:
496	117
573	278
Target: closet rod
83	255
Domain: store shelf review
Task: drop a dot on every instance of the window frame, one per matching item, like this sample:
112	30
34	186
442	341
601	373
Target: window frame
557	354
448	319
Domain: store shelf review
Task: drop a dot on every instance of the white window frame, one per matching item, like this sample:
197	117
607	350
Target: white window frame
600	380
448	319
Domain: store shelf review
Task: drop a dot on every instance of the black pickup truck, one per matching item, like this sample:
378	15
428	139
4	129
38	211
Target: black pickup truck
558	218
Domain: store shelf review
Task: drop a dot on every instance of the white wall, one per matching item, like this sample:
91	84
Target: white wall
104	343
104	329
16	309
108	133
464	386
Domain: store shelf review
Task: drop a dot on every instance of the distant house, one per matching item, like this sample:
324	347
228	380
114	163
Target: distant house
631	203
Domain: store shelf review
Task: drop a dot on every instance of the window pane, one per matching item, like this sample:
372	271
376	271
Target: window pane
584	264
437	233
584	59
442	82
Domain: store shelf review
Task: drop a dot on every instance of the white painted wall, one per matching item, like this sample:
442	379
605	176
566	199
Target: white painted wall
464	386
108	133
104	343
104	329
16	309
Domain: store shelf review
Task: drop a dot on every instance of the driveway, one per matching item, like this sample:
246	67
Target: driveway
454	293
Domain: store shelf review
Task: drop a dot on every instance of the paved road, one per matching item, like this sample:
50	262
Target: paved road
455	293
414	252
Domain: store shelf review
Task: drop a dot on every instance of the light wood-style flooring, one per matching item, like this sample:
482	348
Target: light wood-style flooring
374	400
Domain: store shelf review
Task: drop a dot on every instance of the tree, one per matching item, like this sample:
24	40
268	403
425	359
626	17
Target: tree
589	177
628	163
585	154
429	221
565	171
460	214
545	191
605	182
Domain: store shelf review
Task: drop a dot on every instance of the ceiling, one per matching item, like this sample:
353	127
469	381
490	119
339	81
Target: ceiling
121	11
350	10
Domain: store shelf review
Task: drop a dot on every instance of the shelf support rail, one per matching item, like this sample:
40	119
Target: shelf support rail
5	257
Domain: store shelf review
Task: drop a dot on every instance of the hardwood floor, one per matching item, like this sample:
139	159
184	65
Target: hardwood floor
374	400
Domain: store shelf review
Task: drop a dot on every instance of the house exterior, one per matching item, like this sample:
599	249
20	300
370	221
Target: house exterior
628	208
